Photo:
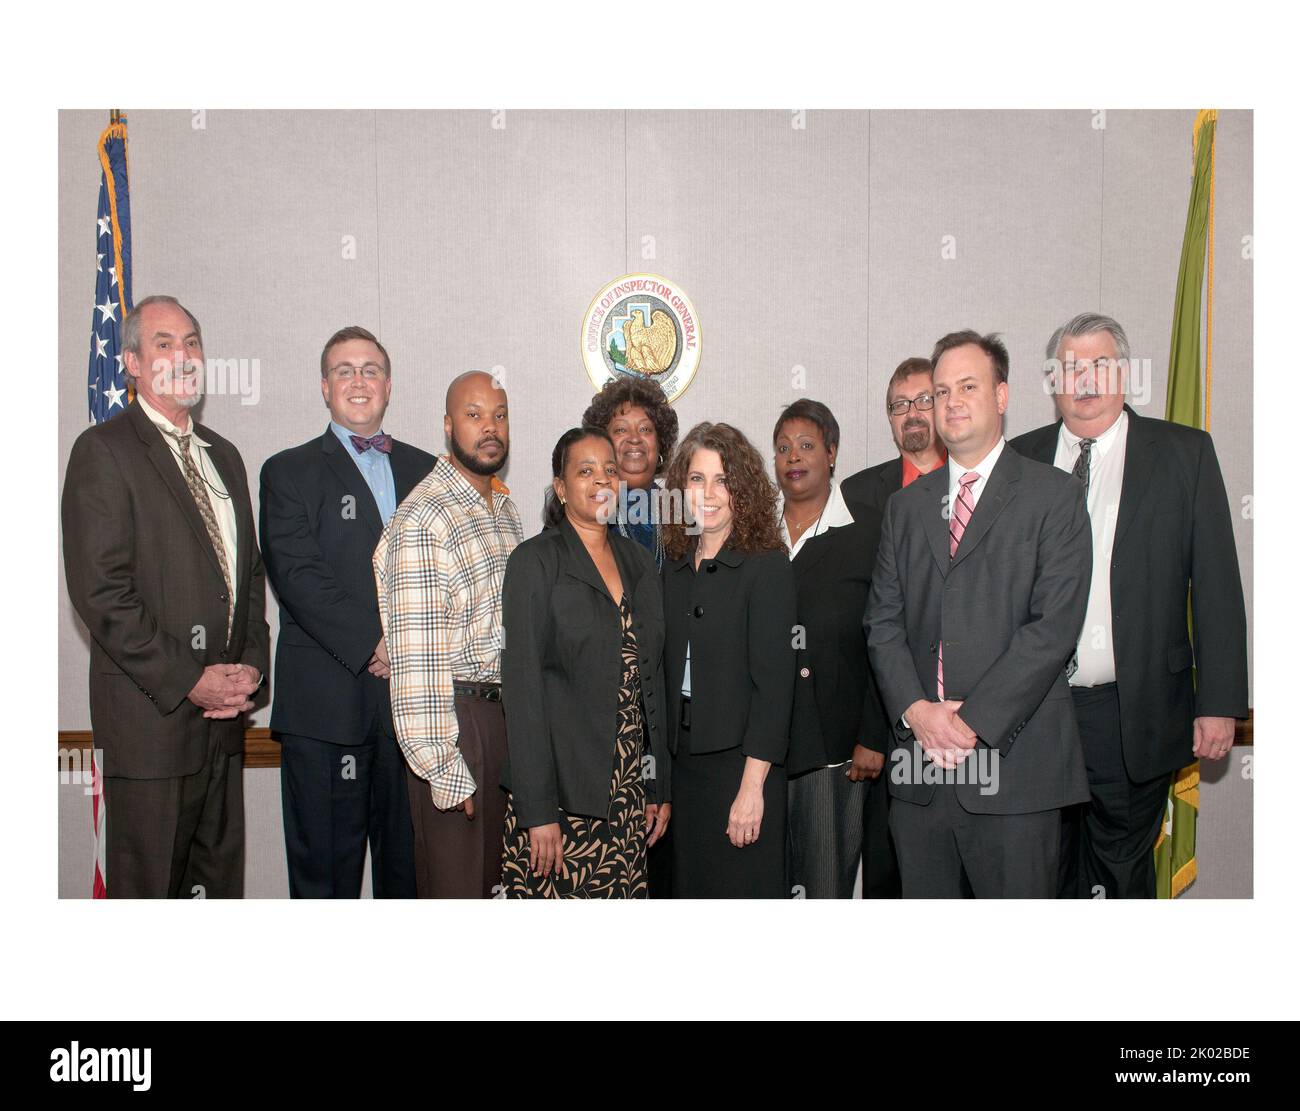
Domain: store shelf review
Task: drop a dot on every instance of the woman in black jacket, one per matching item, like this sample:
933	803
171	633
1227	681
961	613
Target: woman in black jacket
583	691
838	730
729	608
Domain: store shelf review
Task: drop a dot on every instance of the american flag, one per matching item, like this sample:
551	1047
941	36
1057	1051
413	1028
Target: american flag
109	392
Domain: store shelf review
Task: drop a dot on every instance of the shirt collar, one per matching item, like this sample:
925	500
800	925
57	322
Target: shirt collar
836	514
457	485
1102	443
984	467
167	427
911	472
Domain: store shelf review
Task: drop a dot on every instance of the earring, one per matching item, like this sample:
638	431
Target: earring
561	499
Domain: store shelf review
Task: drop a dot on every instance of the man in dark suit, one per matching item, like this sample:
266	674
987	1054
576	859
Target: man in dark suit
324	505
1161	526
976	603
909	401
162	566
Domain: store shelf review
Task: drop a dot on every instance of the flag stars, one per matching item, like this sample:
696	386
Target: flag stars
99	263
104	227
113	272
114	396
107	309
101	343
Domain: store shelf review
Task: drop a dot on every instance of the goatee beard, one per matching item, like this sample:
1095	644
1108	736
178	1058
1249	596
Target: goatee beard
475	465
917	439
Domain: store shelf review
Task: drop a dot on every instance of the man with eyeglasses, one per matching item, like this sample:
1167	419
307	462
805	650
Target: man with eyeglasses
909	401
1161	526
324	506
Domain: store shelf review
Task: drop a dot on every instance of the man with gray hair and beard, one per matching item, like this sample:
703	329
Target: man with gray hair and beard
162	565
1161	527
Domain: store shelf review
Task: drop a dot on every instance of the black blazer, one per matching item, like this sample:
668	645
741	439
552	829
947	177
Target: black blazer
143	575
561	668
874	485
738	613
836	704
1174	532
320	525
1008	608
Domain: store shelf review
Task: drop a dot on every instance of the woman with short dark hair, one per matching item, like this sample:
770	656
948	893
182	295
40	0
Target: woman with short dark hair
583	692
838	730
729	606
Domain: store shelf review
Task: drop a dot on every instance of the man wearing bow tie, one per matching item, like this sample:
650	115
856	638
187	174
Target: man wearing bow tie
324	505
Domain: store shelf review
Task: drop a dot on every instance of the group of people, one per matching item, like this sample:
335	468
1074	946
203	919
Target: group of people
967	670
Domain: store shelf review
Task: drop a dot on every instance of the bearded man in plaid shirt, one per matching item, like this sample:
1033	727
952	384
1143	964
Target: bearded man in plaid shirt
438	568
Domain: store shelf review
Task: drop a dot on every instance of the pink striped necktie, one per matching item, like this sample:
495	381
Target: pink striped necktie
958	519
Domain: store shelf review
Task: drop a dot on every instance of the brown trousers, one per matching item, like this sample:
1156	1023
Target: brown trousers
457	857
177	838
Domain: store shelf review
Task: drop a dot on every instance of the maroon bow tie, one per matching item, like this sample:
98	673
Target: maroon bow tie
380	441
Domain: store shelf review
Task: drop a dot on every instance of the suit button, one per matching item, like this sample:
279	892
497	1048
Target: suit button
223	653
933	647
224	596
804	672
699	611
649	694
711	568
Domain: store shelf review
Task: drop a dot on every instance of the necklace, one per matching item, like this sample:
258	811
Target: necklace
800	526
659	541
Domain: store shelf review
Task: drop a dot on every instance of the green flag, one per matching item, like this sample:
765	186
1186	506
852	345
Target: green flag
1176	844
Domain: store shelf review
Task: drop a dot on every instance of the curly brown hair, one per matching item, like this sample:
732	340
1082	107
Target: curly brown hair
641	393
754	526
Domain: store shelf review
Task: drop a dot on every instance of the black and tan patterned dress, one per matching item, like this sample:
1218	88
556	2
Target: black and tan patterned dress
603	858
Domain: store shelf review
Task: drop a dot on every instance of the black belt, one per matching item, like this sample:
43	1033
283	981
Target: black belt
489	692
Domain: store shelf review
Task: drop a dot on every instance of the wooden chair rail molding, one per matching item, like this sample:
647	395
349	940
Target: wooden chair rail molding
260	751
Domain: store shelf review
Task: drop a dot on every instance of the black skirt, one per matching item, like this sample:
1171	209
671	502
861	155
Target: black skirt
706	865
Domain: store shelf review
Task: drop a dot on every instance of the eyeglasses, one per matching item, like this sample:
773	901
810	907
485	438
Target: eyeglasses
346	371
899	408
1081	366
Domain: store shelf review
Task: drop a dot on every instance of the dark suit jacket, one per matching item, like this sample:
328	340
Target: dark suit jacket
874	485
143	575
836	704
317	545
1174	532
1008	608
561	670
738	613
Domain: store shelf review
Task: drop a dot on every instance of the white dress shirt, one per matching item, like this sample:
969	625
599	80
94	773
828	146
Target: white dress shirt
984	467
835	515
222	506
1106	481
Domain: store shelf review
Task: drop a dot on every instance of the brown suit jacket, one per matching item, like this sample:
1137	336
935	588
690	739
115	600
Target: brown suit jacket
143	576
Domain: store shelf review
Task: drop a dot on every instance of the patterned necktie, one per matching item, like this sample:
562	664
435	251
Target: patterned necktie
380	441
962	510
198	490
1083	472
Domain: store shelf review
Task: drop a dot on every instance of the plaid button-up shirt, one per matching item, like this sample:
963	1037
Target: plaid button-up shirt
438	569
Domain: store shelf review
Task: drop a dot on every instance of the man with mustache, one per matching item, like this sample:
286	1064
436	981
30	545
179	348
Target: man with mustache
909	401
162	565
1161	527
324	504
439	569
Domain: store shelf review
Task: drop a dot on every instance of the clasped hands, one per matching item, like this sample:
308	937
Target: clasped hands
225	691
942	734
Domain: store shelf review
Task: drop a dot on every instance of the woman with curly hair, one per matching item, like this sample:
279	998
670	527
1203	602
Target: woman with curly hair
637	417
729	612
